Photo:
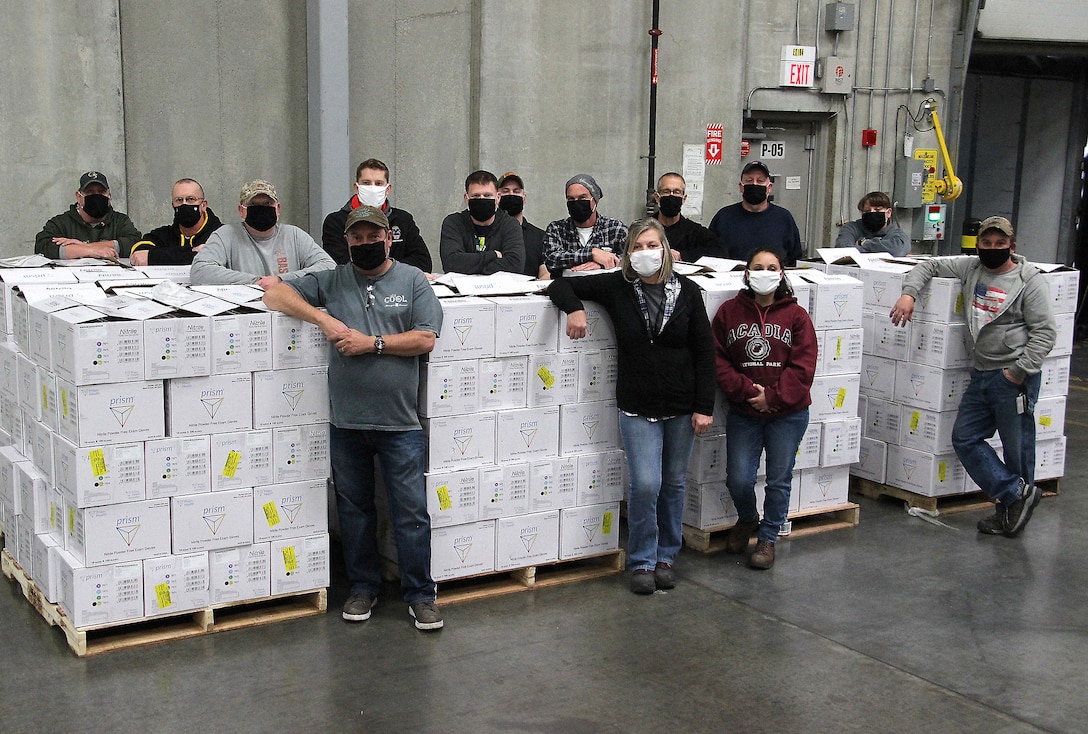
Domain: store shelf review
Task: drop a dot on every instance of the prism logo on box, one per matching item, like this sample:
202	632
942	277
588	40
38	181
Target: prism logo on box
127	527
840	300
462	546
590	423
292	393
590	526
291	506
528	538
121	408
529	430
528	325
462	437
214	517
212	400
462	328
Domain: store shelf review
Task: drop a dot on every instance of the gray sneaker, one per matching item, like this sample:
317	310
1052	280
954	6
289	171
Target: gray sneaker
358	606
994	524
426	615
1018	513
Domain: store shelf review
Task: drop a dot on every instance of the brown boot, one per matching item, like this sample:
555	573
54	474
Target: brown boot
739	536
763	556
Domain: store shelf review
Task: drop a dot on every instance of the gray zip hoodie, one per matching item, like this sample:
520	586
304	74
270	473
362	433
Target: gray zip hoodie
1021	334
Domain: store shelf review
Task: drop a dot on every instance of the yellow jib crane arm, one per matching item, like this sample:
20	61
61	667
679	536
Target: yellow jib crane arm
950	187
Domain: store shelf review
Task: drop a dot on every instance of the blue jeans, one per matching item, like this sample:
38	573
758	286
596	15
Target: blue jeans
746	437
988	405
657	462
402	455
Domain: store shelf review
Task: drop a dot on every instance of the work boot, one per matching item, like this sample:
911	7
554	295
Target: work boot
739	536
763	556
665	576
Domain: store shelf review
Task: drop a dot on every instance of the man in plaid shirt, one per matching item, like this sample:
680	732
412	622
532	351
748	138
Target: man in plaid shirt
585	240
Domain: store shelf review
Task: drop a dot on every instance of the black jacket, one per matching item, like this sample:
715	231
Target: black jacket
692	240
408	245
166	245
457	246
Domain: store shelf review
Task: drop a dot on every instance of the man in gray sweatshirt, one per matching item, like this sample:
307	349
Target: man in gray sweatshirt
258	250
1011	329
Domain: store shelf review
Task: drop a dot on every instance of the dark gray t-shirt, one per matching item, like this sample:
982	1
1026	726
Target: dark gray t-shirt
371	391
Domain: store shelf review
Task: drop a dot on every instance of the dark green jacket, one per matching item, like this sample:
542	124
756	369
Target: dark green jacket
116	226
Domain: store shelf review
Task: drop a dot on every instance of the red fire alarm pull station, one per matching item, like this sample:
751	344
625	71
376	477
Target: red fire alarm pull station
868	138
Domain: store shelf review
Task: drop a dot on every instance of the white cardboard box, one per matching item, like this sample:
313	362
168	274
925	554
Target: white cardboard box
39	442
841	442
463	550
708	456
552	379
292	397
241	459
932	475
941	301
460	441
882	419
709	505
26	375
177	346
808	451
840	351
102	594
587	531
175	466
824	488
504	490
1064	284
35	497
239	574
299	564
1050	417
878	377
453	497
601	478
1050	458
175	584
11	278
526	540
525	325
290	510
834	397
9	457
926	430
468	330
91	476
553	484
503	383
939	345
204	522
836	300
297	343
1054	378
889	340
449	388
241	342
46	573
1066	326
527	433
927	387
48	399
128	531
872	463
301	453
89	348
600	334
210	404
119	413
598	372
586	428
9	365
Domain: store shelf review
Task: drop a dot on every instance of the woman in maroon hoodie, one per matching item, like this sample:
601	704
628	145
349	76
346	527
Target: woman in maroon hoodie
766	359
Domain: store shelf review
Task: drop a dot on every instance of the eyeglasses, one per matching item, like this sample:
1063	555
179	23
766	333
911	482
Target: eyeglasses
670	192
178	200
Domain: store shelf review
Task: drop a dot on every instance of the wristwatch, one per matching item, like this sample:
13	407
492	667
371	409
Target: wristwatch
379	344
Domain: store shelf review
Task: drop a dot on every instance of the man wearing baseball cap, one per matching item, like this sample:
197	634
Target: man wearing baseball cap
586	240
258	250
90	228
380	316
512	198
756	222
1010	330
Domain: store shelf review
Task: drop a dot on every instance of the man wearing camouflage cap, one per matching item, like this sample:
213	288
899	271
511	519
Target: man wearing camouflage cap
258	250
90	228
380	316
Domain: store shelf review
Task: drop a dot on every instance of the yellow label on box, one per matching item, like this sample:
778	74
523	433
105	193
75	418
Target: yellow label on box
271	514
444	502
1044	420
45	398
52	515
606	524
838	347
959	302
840	398
98	462
290	563
914	418
942	470
64	402
71	520
546	377
162	595
232	464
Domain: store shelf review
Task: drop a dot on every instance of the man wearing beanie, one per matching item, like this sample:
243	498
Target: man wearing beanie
586	240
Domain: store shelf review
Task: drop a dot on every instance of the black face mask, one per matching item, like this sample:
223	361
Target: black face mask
580	210
261	217
874	221
512	204
994	259
481	209
755	194
369	256
186	215
96	205
670	205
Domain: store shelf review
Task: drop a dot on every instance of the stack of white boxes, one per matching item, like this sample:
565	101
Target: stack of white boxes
913	378
833	439
163	463
525	465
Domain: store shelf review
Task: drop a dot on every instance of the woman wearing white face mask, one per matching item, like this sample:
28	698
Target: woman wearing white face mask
766	360
665	388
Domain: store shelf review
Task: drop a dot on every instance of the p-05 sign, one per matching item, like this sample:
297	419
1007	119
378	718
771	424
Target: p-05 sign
772	149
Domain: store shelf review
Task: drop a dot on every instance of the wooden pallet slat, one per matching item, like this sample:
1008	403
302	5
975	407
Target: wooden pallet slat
947	504
713	540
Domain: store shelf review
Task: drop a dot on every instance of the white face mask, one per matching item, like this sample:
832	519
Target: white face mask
764	282
646	262
371	195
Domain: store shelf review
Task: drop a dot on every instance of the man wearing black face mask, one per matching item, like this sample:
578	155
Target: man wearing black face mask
90	228
874	232
754	221
1010	330
381	315
481	239
177	243
587	239
258	250
512	200
689	240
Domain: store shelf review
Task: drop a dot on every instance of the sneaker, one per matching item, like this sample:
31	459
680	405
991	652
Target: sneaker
1018	513
739	536
642	581
993	525
426	615
358	606
664	576
763	556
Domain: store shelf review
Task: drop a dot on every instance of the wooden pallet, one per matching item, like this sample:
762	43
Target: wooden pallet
541	576
713	540
948	504
97	639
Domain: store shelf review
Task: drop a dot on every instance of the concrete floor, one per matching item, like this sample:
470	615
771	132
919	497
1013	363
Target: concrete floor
896	626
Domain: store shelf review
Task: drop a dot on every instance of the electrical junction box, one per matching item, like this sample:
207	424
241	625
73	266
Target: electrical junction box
910	177
932	222
839	17
838	75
